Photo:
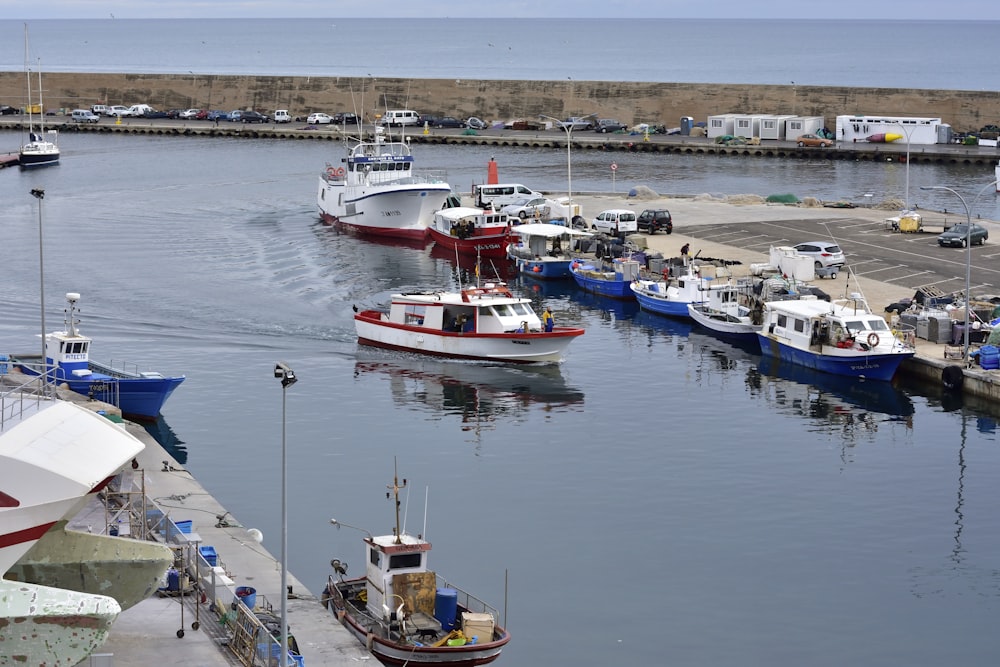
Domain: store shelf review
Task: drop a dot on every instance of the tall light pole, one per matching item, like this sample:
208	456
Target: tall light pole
568	128
907	132
287	377
39	194
968	256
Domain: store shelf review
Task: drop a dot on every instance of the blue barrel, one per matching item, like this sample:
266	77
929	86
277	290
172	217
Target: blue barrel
989	357
173	580
247	596
446	607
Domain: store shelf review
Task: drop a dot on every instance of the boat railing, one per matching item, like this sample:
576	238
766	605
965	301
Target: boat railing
21	398
905	335
468	601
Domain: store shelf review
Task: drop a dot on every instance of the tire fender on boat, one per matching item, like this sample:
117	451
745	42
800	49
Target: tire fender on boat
952	378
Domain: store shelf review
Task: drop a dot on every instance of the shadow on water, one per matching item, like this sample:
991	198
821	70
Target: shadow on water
165	436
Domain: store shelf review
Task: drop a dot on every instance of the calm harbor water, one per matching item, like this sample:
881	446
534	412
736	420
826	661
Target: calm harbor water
661	496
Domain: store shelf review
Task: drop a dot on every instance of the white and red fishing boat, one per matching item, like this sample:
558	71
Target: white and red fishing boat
53	454
472	231
485	322
405	613
379	192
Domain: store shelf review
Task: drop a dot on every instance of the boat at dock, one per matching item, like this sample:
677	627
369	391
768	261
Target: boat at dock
544	250
42	148
471	231
379	192
138	394
407	614
729	311
612	280
671	295
485	322
841	337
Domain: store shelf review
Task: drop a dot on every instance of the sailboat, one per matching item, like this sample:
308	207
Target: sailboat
40	150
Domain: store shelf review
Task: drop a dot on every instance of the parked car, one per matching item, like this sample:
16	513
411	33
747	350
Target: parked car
577	123
449	121
253	117
813	140
217	115
153	113
235	116
346	118
174	113
823	253
615	221
6	110
528	208
956	235
189	113
653	220
202	114
96	109
476	123
84	116
427	119
118	111
605	125
282	116
319	119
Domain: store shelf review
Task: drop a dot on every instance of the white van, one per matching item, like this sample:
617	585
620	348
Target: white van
616	221
83	116
282	116
501	194
400	117
139	110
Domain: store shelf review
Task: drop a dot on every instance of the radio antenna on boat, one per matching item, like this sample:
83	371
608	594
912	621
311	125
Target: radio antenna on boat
394	495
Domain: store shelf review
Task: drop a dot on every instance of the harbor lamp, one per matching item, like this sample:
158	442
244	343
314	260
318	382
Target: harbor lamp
907	132
568	128
287	377
39	194
968	255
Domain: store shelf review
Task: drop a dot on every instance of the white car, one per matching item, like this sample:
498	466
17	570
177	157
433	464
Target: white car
189	113
119	111
476	123
319	119
528	208
616	221
825	254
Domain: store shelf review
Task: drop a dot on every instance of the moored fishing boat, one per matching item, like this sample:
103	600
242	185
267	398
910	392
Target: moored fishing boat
379	192
138	394
404	612
471	231
842	337
729	311
671	296
485	322
612	280
543	250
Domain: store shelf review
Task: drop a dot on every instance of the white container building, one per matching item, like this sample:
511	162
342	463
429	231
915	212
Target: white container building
796	126
915	131
720	125
773	127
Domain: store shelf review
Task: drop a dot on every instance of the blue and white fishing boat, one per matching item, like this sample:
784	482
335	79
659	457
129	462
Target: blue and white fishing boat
612	281
543	250
729	311
138	394
671	296
841	337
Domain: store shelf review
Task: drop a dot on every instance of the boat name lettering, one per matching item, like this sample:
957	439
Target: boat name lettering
863	366
76	357
521	342
391	214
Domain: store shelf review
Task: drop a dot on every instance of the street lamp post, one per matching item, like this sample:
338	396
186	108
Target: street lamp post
568	128
907	132
39	194
287	377
968	255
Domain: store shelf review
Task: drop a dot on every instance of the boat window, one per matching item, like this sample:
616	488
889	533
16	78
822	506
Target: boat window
799	325
522	309
375	557
415	314
878	325
856	325
398	561
504	310
782	320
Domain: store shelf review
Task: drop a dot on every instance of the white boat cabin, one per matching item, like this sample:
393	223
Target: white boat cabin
489	309
397	577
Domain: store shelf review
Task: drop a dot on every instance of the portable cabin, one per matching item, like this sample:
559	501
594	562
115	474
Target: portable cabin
858	128
746	125
720	125
773	127
796	126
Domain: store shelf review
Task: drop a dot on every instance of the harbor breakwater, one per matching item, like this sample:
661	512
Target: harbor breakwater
629	102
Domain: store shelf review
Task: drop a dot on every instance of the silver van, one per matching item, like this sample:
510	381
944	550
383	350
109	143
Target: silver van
83	116
400	117
501	194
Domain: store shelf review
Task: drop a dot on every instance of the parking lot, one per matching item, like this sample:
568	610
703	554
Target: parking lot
911	260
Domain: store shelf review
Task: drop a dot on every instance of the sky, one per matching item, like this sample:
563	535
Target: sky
180	9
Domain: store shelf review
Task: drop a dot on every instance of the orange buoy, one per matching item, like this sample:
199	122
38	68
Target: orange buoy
492	175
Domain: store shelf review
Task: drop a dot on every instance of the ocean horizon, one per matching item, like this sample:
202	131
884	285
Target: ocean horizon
842	52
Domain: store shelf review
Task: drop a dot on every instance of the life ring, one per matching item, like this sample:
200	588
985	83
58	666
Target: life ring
873	339
335	172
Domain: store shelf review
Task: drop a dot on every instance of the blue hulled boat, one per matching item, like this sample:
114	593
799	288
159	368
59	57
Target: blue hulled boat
138	394
672	296
614	283
543	250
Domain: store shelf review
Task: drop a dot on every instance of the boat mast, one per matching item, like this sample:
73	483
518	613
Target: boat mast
27	73
396	486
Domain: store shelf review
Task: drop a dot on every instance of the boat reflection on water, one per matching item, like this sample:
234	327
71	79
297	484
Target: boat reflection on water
727	353
476	394
853	402
165	436
608	307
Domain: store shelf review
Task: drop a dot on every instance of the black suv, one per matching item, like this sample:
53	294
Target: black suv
345	118
253	117
653	220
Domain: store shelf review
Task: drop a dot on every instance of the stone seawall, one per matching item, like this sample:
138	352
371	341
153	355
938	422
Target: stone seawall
630	102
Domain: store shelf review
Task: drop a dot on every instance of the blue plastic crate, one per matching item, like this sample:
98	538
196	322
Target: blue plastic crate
184	526
208	553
